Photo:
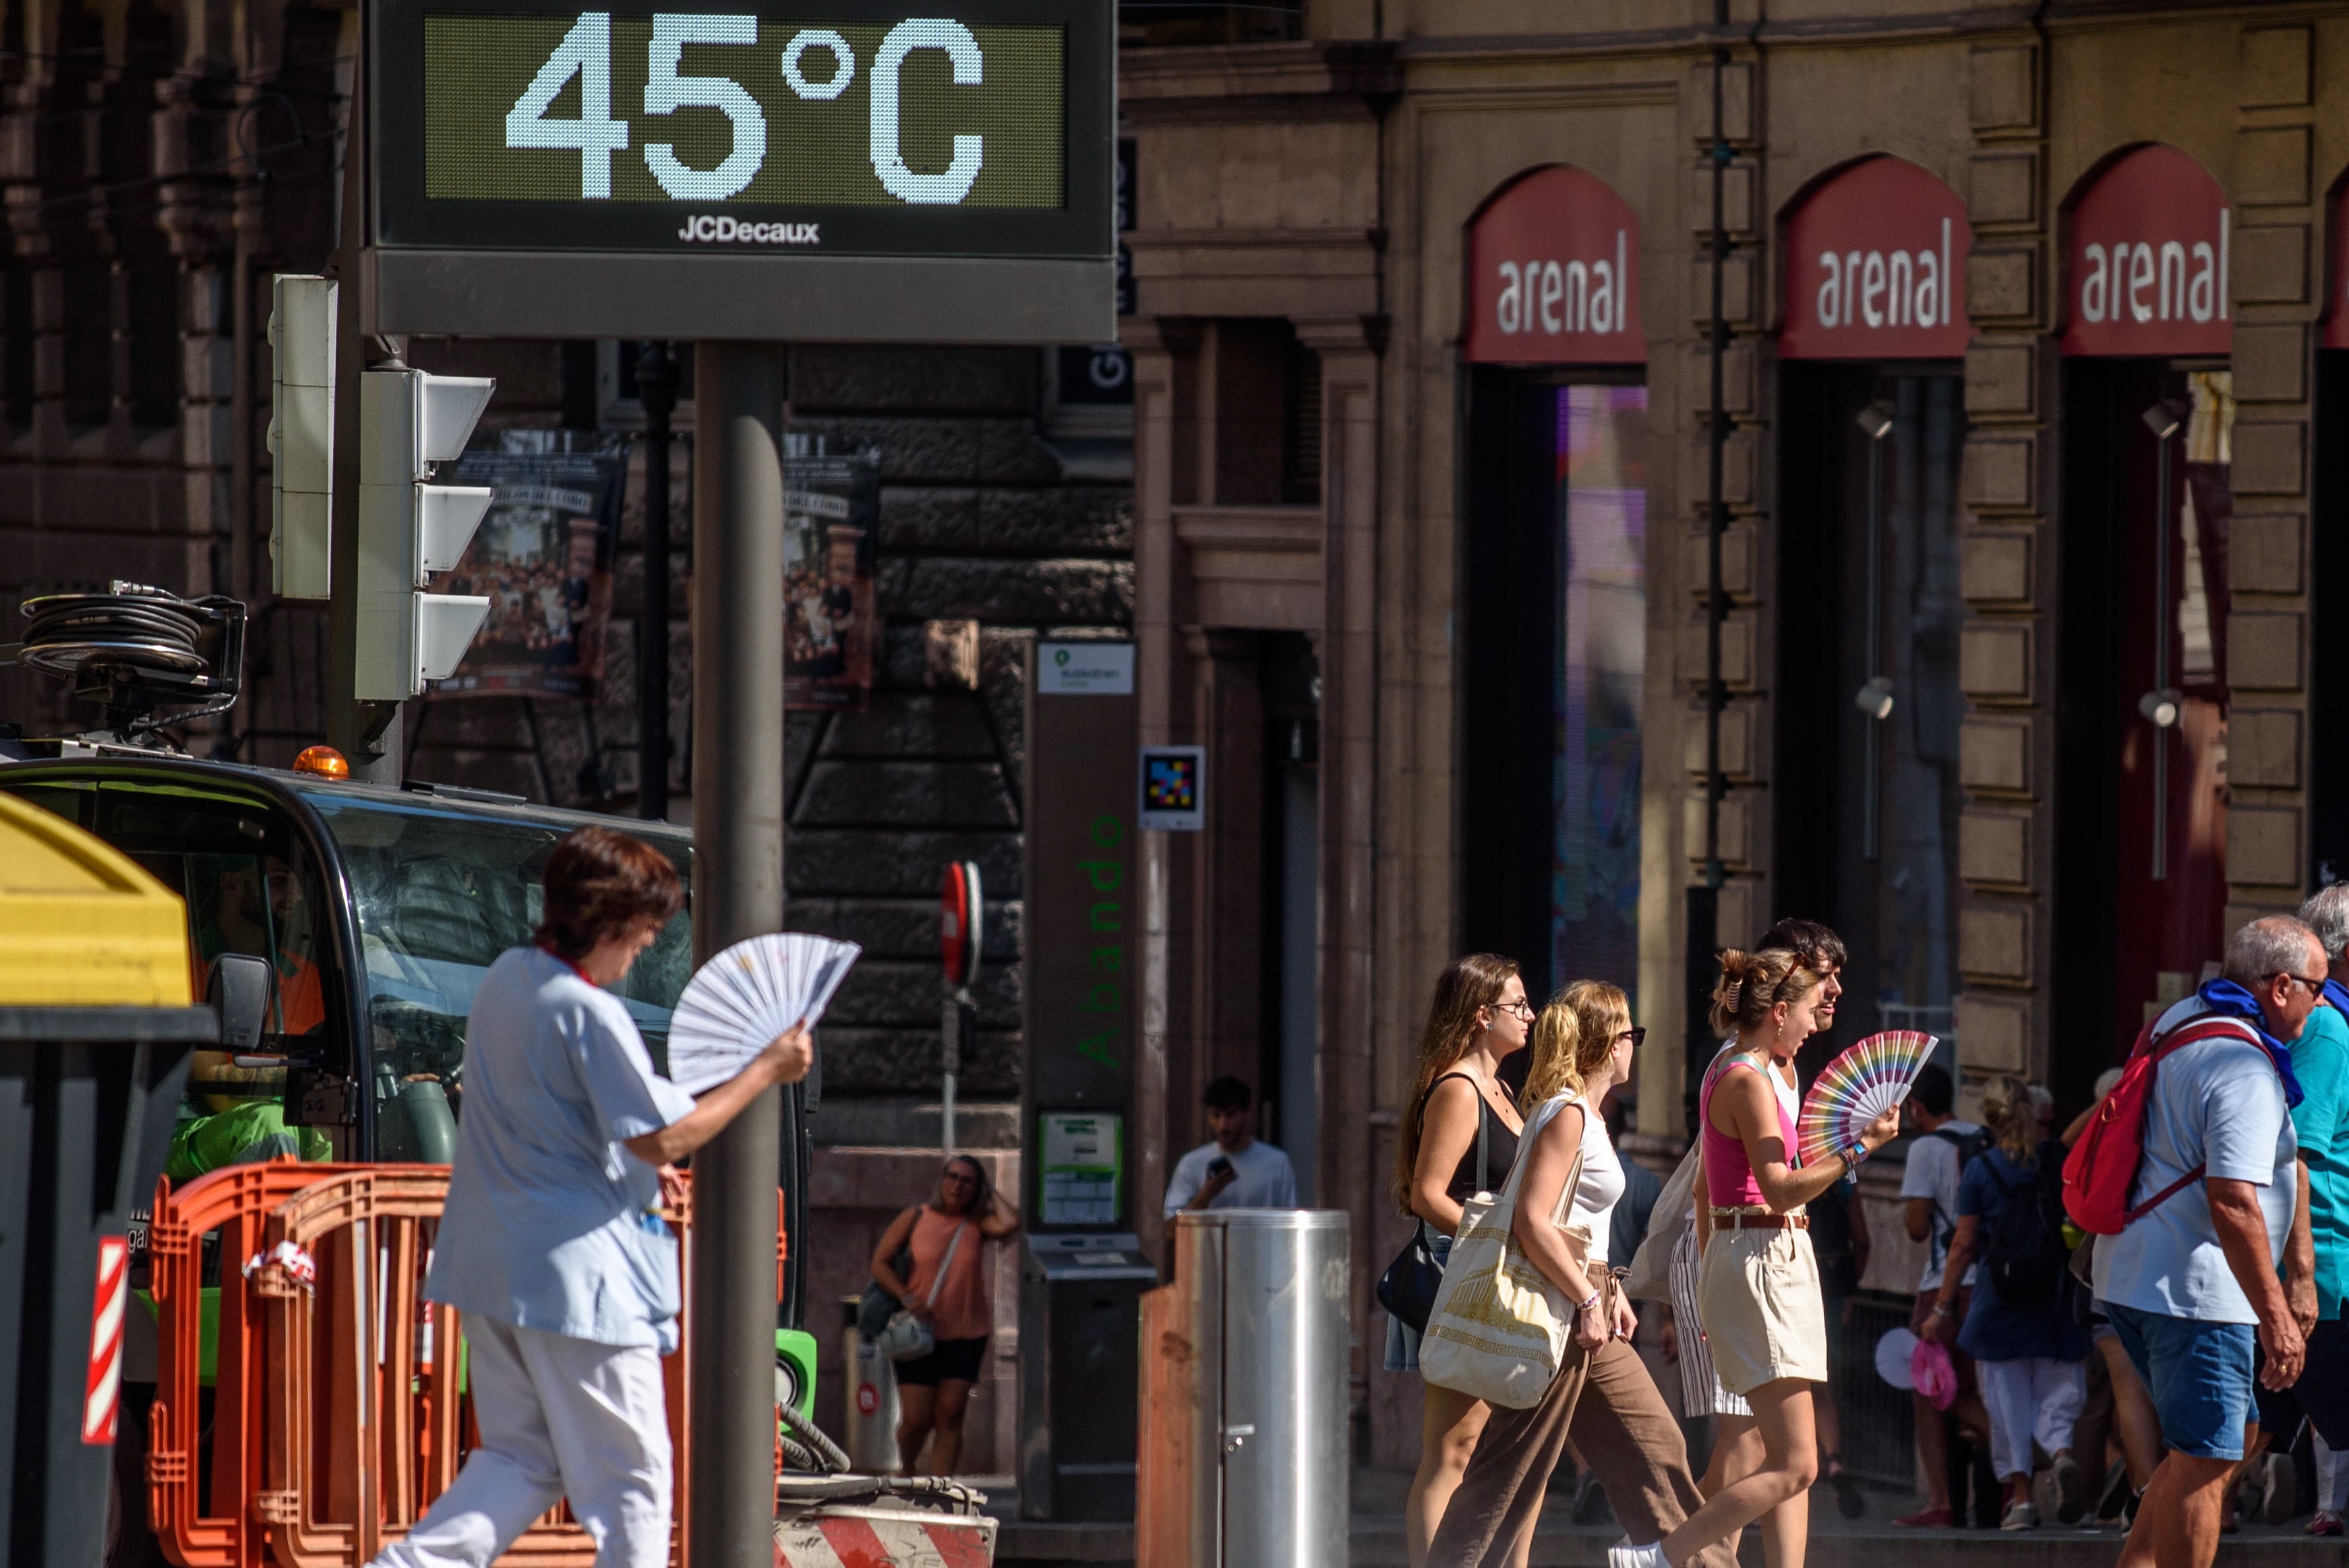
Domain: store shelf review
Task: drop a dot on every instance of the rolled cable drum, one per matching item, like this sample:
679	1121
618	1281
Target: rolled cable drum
137	648
141	628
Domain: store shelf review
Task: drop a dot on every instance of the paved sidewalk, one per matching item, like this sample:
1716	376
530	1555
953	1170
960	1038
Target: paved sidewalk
1870	1542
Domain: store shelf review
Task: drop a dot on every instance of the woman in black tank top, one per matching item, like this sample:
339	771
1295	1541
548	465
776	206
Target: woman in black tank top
1499	1152
1479	1018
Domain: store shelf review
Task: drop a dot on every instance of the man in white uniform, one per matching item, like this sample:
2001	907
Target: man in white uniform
1236	1170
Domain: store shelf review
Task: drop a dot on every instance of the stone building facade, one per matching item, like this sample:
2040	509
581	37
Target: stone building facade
1492	230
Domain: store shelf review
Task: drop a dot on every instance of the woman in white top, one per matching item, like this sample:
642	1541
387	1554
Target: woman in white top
1603	1399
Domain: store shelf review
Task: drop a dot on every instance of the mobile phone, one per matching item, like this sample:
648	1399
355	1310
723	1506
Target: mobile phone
1219	1167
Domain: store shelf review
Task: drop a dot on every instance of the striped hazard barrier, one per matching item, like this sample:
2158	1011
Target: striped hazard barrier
875	1537
102	1403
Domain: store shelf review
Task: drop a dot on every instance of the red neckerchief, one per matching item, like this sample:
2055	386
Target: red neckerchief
575	968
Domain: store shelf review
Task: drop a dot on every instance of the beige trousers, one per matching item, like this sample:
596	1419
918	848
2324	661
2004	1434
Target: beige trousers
1605	1402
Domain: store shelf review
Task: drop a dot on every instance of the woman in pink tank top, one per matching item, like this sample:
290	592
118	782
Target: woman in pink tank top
1758	1284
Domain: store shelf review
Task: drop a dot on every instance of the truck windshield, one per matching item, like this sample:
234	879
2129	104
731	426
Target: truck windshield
439	894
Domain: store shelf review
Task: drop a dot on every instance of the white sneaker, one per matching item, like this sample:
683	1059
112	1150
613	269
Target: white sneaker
2020	1516
1626	1555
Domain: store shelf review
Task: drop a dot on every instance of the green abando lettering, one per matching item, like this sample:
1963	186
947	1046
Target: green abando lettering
1096	1047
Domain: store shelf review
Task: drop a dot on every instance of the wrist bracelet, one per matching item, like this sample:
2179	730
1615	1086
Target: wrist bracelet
1943	1309
1587	1305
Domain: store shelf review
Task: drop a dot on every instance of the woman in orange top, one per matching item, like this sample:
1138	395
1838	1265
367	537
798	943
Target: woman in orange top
947	1234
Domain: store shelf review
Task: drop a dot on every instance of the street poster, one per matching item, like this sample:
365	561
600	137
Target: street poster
543	556
1083	1165
832	514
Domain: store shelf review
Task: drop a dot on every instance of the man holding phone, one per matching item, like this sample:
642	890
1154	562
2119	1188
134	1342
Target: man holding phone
1236	1170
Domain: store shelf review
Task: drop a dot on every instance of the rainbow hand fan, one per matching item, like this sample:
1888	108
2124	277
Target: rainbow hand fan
1857	1087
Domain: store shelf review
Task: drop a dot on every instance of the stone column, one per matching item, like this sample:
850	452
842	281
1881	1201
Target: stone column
2006	573
1165	360
1227	877
1349	988
1747	650
2279	209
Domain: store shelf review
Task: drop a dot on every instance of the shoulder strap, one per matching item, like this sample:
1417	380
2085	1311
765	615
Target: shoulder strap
2207	1027
945	1264
2210	1026
1484	1166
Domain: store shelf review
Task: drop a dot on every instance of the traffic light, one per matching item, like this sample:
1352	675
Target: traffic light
409	421
300	434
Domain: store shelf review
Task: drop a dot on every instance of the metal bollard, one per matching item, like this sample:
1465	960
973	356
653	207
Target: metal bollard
869	1385
1244	1451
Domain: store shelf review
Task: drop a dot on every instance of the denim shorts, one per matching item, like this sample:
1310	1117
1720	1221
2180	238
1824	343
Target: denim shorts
1402	1340
2200	1375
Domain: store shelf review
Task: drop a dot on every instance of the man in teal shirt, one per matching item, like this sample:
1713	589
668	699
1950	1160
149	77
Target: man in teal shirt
2320	1060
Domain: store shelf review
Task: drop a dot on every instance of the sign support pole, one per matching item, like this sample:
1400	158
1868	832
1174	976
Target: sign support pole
657	390
367	733
737	829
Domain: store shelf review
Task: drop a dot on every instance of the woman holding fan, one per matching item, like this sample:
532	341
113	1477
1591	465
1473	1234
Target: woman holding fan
552	1242
1758	1286
1602	1399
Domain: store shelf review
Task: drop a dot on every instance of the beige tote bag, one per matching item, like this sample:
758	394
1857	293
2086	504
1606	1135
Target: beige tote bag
1499	1328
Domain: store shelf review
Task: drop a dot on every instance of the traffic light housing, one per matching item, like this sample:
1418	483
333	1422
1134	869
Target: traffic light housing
409	528
301	435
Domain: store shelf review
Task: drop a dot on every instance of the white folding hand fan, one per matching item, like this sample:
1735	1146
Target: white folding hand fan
740	1000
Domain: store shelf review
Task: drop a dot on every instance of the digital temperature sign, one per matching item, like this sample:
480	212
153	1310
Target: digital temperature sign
541	169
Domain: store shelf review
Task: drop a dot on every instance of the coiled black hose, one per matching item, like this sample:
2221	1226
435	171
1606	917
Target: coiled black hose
135	626
135	648
807	1448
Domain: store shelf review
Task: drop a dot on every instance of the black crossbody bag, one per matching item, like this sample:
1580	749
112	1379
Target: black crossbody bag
1407	1290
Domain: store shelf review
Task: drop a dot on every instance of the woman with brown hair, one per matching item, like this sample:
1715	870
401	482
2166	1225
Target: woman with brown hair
945	1287
552	1242
1603	1399
1757	1284
1477	1020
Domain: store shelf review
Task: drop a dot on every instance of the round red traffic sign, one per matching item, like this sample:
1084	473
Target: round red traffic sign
961	922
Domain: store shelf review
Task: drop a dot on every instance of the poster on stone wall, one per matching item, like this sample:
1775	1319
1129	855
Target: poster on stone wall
543	556
832	624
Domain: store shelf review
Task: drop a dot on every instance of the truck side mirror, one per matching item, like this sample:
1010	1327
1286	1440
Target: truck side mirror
238	992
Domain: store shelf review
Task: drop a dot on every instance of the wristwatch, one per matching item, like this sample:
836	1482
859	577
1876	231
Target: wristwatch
1943	1309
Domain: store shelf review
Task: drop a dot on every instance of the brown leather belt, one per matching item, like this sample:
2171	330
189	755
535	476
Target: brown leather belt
1746	1219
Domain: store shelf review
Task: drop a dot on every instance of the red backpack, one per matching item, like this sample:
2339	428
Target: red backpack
2102	1166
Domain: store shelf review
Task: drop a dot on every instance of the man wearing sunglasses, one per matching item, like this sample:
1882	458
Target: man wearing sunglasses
2193	1284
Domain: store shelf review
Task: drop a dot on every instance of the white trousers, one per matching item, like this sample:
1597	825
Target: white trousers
2331	1475
2038	1398
559	1418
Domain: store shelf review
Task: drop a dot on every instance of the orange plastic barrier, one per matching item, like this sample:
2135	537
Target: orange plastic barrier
337	1419
214	1530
